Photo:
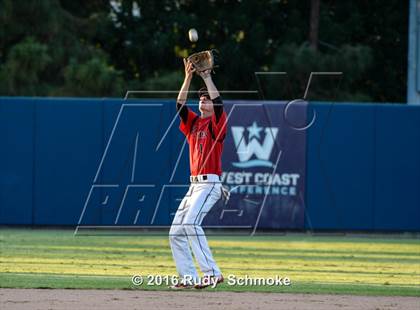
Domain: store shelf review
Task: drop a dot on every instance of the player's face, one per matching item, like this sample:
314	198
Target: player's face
205	104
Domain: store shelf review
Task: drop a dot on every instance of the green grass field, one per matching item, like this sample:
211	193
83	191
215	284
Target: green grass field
338	265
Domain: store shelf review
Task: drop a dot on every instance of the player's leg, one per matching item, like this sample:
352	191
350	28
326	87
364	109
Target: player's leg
204	198
179	242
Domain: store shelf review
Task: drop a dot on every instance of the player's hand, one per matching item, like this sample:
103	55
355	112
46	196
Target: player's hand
189	69
205	74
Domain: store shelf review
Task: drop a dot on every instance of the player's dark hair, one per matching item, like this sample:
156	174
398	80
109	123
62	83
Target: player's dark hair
203	92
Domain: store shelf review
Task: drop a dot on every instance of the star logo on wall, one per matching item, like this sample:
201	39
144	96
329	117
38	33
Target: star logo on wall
254	131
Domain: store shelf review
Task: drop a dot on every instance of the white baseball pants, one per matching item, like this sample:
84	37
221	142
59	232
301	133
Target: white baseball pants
186	229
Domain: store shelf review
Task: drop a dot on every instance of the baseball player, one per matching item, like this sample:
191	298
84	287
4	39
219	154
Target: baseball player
205	135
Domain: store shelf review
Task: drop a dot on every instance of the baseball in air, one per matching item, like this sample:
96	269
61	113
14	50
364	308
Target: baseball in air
193	35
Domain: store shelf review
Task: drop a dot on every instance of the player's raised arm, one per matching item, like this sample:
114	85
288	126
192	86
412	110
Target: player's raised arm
214	93
183	93
211	88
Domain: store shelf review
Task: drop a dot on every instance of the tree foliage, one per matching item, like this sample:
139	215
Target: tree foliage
22	69
93	78
102	47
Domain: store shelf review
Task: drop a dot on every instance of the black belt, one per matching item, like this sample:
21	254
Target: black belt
194	178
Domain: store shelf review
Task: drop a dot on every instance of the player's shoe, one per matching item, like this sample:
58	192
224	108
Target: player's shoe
181	286
207	281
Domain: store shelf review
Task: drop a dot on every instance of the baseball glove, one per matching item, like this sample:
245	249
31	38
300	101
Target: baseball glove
203	61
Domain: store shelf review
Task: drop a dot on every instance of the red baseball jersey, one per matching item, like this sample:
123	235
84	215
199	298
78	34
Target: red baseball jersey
205	137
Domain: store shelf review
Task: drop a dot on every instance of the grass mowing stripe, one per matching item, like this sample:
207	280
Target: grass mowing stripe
218	249
164	259
129	265
59	235
283	256
378	268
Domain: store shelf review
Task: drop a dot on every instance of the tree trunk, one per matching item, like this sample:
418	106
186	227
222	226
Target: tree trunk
314	24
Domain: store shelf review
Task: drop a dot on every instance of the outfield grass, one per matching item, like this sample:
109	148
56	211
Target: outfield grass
364	266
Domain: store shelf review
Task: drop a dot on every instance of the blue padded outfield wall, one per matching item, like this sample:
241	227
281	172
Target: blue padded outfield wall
362	164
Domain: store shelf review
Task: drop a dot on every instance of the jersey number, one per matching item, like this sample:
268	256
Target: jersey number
201	148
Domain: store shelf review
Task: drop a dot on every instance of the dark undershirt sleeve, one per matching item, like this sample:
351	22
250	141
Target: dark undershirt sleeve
183	112
218	107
